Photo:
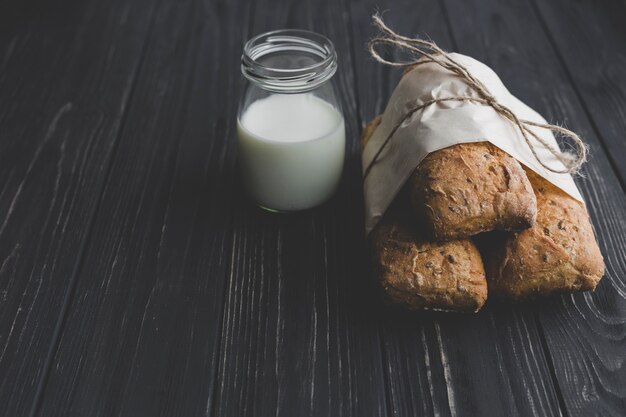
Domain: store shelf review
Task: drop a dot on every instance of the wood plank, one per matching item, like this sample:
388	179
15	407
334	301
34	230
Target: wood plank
590	38
491	364
66	73
142	333
585	333
300	335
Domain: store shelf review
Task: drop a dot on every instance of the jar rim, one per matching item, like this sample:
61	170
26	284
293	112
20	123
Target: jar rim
289	79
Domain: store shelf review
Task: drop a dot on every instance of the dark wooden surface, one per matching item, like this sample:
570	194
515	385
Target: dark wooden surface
137	280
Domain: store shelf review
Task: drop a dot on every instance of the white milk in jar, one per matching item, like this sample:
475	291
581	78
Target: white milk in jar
291	150
290	127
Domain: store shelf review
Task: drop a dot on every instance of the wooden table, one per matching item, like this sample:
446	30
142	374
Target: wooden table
137	280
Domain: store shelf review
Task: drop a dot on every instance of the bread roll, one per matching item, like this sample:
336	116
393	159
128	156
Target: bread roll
470	188
418	274
559	254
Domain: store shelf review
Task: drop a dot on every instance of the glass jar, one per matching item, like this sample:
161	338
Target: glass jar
290	124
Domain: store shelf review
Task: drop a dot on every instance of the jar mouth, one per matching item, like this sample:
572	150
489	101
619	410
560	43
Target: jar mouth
289	60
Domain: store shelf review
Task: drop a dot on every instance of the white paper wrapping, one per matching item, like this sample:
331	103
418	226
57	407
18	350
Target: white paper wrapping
444	124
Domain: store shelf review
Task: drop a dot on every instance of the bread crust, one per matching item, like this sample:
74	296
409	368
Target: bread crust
418	274
557	255
469	188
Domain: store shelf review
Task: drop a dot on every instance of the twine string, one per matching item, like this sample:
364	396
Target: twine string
427	51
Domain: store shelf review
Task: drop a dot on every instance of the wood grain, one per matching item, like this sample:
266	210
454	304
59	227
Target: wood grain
66	74
142	333
300	332
590	38
137	279
585	333
441	364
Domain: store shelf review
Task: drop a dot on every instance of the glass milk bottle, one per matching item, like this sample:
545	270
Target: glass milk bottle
290	124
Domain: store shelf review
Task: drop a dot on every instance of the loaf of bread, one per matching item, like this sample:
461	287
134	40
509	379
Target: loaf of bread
470	188
559	254
419	274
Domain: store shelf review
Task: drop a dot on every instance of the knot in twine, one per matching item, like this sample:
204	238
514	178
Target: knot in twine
426	51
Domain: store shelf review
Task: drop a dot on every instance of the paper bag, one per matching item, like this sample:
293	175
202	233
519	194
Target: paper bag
444	124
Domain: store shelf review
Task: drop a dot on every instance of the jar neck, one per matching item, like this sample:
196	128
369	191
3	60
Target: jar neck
289	60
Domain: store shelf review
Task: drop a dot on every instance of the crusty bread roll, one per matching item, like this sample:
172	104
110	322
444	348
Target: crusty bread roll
470	188
418	274
559	254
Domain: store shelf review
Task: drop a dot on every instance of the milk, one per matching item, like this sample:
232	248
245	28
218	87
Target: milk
291	150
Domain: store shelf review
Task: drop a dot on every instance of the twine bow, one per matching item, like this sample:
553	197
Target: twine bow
426	51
